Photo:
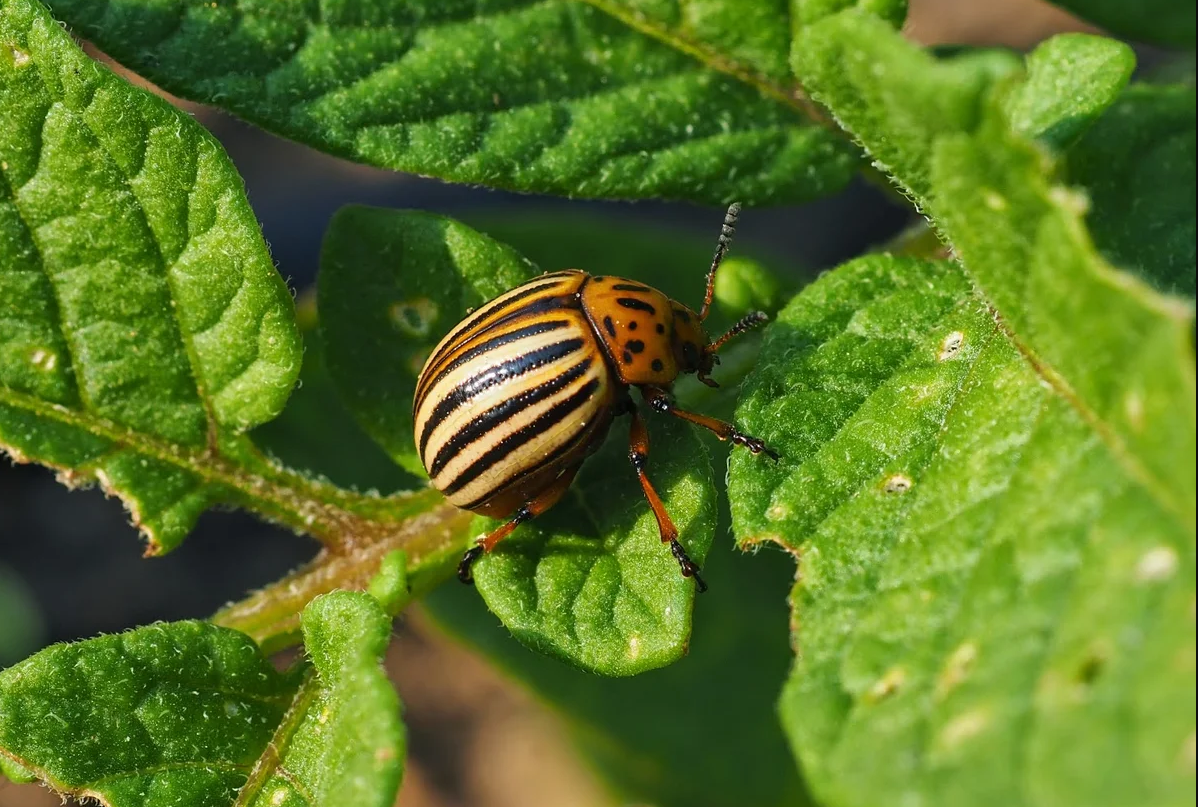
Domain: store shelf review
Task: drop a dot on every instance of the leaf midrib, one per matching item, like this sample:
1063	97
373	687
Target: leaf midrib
320	509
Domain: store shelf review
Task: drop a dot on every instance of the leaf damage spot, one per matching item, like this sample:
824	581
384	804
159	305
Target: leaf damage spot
957	668
777	512
1156	564
951	345
19	57
414	317
888	684
994	200
1074	201
634	646
963	727
279	796
1133	406
897	484
44	359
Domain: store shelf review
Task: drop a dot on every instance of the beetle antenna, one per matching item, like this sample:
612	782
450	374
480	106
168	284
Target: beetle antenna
721	248
746	323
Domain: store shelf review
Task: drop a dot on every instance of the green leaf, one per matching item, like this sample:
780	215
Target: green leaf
806	12
1167	22
589	582
167	714
1049	106
392	283
189	713
993	605
700	733
1022	243
1137	165
605	99
342	742
20	621
143	328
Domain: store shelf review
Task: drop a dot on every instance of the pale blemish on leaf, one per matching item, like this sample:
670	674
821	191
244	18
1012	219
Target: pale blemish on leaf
1156	564
888	684
951	345
994	200
1071	199
963	727
777	512
898	483
414	317
1133	405
957	668
44	359
634	646
19	57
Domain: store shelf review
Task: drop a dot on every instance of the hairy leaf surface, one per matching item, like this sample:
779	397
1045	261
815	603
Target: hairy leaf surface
986	474
172	713
610	98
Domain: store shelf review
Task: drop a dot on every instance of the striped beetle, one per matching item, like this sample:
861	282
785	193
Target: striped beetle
522	390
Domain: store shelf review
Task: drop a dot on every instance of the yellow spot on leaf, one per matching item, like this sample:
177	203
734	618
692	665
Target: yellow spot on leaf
888	684
414	317
963	727
957	668
1156	564
951	345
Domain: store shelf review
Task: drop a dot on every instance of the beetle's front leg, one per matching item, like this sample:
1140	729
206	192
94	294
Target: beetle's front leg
638	455
529	510
661	401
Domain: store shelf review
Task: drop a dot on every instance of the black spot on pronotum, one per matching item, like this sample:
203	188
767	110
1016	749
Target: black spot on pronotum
658	366
632	325
627	357
661	328
609	326
631	287
682	315
635	345
635	304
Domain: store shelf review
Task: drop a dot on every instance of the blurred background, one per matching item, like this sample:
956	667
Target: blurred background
71	566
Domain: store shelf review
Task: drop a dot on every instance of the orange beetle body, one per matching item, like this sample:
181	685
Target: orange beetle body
519	393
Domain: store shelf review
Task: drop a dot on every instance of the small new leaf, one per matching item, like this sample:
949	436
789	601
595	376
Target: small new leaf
605	98
342	741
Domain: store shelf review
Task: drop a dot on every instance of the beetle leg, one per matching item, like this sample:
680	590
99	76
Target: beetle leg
529	510
661	401
638	454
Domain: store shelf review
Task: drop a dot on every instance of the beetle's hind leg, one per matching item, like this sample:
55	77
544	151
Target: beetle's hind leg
661	401
529	510
638	453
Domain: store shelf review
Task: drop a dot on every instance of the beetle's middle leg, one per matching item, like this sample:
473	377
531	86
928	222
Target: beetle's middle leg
529	510
661	401
638	454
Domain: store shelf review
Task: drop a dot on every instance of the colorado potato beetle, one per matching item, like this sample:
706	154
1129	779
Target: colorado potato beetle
517	395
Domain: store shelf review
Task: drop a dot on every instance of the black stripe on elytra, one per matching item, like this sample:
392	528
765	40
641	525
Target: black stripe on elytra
533	287
536	329
490	376
530	309
479	426
545	421
635	304
631	287
609	326
553	456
